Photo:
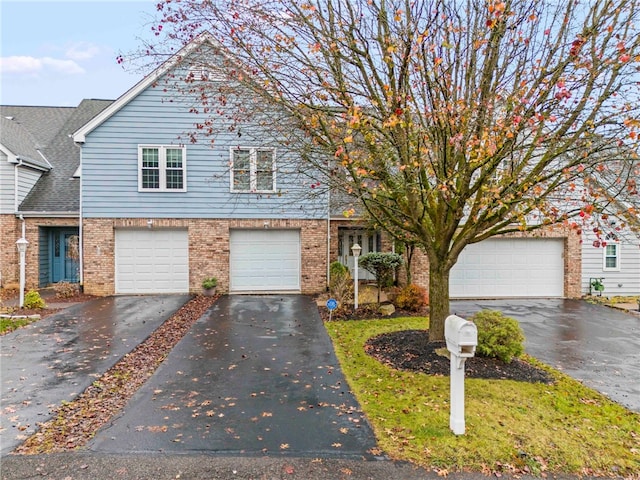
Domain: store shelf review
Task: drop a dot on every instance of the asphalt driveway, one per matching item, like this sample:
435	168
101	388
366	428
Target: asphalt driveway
255	375
598	345
58	357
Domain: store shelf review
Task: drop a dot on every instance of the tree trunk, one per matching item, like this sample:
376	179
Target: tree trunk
438	302
409	249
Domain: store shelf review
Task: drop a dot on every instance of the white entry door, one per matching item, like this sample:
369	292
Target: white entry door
264	261
510	267
152	261
368	241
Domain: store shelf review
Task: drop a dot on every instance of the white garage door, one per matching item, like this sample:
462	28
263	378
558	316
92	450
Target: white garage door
152	261
264	261
519	267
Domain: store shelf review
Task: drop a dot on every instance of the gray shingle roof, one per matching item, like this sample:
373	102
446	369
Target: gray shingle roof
58	191
19	141
42	123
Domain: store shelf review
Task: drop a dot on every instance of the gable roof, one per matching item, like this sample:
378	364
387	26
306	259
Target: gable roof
27	130
147	81
58	191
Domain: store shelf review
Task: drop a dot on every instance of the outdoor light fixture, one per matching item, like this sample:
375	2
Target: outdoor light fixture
356	249
21	244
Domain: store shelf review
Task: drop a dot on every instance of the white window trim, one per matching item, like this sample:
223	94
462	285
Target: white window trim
162	164
604	258
253	177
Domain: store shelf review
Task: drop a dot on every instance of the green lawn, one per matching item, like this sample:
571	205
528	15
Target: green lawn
510	426
10	324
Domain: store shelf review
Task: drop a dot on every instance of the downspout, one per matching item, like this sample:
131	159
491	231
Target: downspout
80	225
16	204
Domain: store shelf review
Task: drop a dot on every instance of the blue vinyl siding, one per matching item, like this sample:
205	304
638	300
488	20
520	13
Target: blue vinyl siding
110	168
43	257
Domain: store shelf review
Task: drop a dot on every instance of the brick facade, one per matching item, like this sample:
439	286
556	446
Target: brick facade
8	252
11	228
420	263
208	249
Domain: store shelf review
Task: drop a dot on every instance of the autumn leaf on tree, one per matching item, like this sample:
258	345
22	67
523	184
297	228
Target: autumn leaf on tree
445	123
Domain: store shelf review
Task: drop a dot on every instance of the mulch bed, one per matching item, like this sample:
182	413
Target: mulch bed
410	350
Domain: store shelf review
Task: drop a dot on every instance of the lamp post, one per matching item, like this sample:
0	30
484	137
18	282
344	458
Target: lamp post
356	249
22	249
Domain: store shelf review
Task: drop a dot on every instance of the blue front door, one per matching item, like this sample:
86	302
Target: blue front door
64	255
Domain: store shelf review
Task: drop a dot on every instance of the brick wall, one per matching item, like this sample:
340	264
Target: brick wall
11	228
208	250
572	258
420	262
9	268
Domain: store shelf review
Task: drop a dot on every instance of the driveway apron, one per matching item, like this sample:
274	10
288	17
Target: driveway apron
254	375
58	357
598	345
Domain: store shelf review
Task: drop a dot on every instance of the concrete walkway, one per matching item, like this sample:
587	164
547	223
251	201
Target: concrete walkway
57	358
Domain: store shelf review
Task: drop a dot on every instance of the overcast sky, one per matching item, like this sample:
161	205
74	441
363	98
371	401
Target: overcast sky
59	52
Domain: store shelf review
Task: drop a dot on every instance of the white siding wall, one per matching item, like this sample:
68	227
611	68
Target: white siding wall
27	178
624	282
7	185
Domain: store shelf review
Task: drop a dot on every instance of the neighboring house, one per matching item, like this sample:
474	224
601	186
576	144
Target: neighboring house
545	263
616	264
39	190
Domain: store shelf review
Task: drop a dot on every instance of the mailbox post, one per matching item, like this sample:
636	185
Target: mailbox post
462	339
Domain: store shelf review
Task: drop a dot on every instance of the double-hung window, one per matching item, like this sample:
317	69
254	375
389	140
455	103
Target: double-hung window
162	168
611	257
253	169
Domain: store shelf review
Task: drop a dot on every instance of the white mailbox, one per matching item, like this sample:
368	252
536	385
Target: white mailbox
461	336
462	339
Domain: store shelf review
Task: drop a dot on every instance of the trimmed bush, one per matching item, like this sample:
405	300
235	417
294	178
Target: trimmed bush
412	298
498	336
33	300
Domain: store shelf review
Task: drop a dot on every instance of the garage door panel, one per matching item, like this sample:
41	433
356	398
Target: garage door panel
152	261
264	260
498	268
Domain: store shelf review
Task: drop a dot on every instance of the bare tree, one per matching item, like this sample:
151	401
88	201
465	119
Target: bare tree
449	121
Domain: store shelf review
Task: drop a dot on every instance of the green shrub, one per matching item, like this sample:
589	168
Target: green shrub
33	300
412	298
340	283
383	266
498	336
210	282
337	269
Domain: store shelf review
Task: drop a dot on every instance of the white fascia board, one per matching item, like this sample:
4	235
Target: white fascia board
11	157
80	135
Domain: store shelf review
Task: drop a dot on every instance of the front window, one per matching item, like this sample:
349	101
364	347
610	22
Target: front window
611	258
161	168
253	170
